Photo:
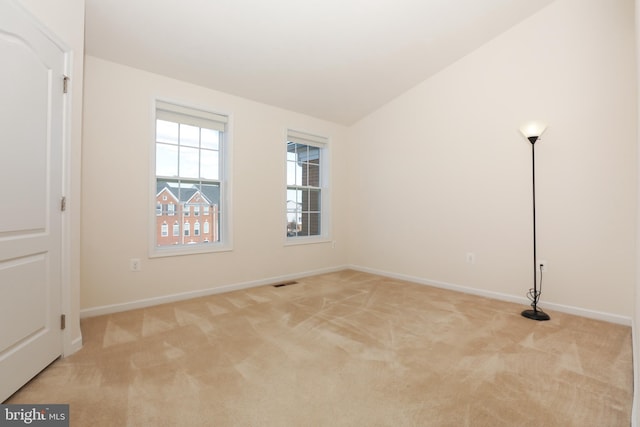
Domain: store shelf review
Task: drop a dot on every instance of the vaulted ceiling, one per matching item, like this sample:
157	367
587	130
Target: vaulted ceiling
332	59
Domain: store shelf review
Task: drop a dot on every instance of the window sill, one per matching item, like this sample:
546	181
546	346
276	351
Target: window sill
187	250
296	241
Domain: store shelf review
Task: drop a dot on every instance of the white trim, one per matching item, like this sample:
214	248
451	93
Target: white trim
188	115
306	240
74	346
306	138
591	314
226	185
149	302
326	170
69	344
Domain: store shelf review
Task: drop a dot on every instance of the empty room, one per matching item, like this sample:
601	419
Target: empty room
303	213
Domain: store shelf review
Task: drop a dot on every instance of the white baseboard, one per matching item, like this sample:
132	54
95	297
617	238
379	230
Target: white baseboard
592	314
148	302
71	346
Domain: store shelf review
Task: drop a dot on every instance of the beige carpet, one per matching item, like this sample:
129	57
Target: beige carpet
342	349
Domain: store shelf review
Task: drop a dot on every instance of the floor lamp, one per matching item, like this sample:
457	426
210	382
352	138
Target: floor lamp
533	131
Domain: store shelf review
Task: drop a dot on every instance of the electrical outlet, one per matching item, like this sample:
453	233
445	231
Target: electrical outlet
134	264
543	266
471	258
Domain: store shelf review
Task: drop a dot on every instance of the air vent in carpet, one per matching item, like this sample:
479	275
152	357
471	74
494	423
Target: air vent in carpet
279	285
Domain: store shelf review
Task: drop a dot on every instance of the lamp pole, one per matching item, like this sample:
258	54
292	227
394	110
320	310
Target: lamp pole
534	294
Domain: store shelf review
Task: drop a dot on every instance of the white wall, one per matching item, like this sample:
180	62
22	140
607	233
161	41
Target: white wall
442	170
65	19
117	145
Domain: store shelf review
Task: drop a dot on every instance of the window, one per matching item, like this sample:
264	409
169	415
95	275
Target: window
190	150
196	229
206	227
164	230
306	185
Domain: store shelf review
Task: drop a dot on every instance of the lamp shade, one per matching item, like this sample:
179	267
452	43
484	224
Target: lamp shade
533	130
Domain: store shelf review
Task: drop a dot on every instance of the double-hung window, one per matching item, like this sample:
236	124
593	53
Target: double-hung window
191	147
307	187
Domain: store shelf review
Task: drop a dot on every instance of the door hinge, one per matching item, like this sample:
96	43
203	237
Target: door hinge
65	84
63	321
63	204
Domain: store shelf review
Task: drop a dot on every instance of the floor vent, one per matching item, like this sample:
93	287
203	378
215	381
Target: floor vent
279	285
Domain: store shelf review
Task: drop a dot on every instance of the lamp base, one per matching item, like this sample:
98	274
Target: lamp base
535	315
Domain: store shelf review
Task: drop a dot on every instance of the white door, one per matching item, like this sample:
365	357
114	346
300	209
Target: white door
31	129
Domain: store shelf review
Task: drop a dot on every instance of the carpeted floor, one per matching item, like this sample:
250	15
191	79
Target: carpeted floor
342	349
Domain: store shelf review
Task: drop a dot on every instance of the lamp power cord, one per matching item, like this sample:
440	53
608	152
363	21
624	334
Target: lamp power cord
533	295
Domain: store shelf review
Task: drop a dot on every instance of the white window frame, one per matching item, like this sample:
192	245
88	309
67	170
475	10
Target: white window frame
323	143
200	117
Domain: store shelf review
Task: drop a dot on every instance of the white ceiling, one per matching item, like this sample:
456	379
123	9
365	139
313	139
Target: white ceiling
333	59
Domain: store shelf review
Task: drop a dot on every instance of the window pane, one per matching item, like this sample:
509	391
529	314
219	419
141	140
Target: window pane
211	213
189	161
313	175
292	172
314	224
166	132
314	200
313	155
294	197
299	174
294	222
166	160
209	164
209	138
305	200
211	193
189	135
304	229
291	150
